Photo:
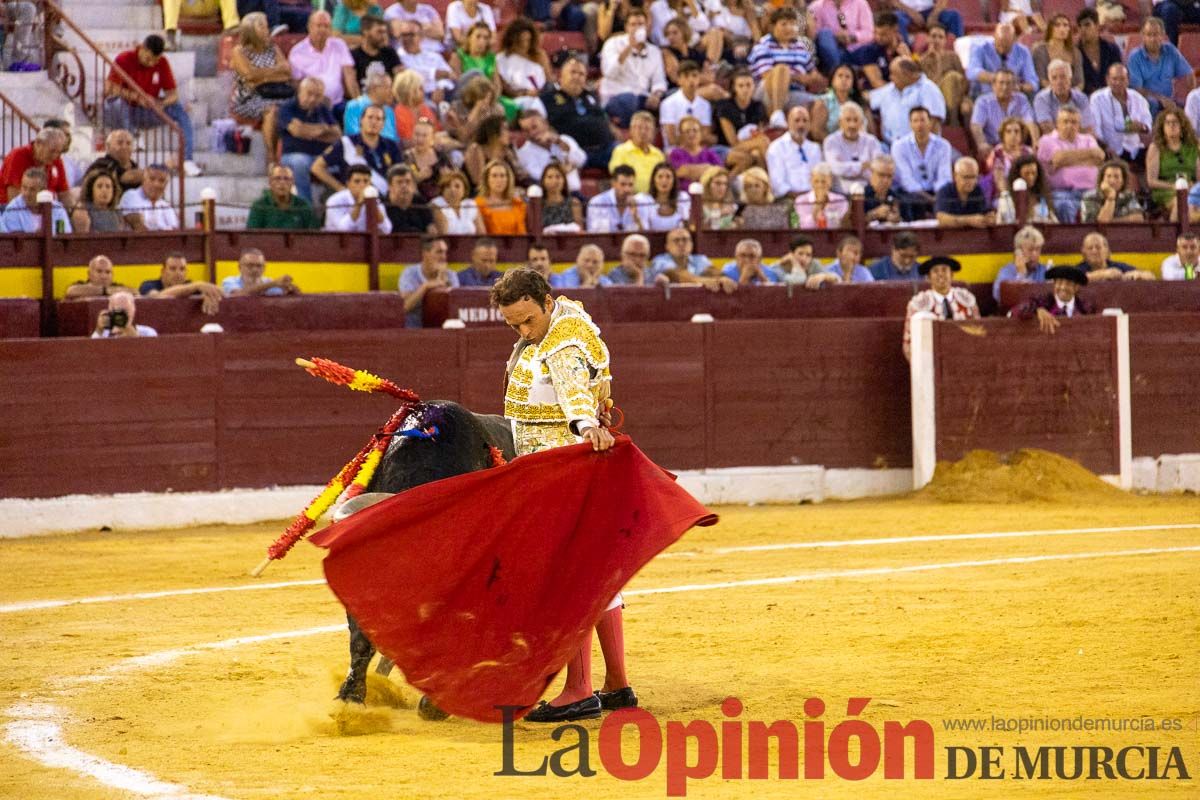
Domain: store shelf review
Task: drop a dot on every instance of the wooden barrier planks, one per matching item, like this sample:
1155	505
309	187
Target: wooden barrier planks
1164	364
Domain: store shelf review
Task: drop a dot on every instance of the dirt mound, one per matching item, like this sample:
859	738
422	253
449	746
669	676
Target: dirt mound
1022	476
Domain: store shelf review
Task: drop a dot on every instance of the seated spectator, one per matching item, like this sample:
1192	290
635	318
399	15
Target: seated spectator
500	207
995	108
378	92
587	273
537	258
1111	200
125	106
923	163
118	160
251	280
116	322
1184	265
437	78
784	62
407	212
262	79
718	207
1039	206
1026	266
1071	159
1012	147
874	59
632	74
492	142
827	108
475	58
99	281
418	279
1057	44
842	27
1062	301
900	264
279	208
73	167
324	56
848	267
430	31
741	123
678	42
639	151
1058	95
635	262
461	15
98	210
146	207
943	66
173	282
915	15
523	65
790	158
1156	65
411	109
482	269
1173	152
172	10
942	299
348	19
44	152
822	207
883	199
1174	14
679	258
1099	265
346	210
667	207
758	210
960	203
1191	108
1122	116
683	103
1193	202
473	105
561	212
544	145
617	208
795	267
374	55
574	111
691	159
909	89
453	213
306	129
747	268
1099	54
367	148
1002	51
849	151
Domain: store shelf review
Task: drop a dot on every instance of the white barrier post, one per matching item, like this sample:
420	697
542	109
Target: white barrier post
1124	414
924	408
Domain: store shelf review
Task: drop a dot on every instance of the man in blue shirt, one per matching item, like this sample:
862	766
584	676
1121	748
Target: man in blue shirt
306	127
23	215
961	203
1003	51
431	273
587	273
368	147
1026	265
847	268
922	160
634	268
1155	65
901	264
908	90
747	268
679	256
482	272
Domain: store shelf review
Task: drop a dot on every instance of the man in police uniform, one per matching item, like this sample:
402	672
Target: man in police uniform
574	111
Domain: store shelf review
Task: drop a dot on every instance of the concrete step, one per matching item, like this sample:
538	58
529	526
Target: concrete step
213	93
89	14
248	167
34	94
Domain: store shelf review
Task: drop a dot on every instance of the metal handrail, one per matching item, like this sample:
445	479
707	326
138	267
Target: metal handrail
159	142
16	128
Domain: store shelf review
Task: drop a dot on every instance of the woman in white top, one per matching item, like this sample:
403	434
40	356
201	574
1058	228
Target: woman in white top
663	11
461	15
452	212
664	207
522	64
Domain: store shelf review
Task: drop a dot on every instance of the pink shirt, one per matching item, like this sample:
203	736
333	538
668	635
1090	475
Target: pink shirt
1079	177
308	62
835	208
859	21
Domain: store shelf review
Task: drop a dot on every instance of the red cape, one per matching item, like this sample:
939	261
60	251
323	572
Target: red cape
481	587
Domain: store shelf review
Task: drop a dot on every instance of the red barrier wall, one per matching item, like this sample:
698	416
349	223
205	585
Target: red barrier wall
1164	363
19	318
1129	296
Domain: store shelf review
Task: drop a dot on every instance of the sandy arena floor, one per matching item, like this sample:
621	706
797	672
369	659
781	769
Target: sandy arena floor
226	693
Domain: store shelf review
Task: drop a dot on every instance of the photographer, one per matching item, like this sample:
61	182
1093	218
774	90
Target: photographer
117	321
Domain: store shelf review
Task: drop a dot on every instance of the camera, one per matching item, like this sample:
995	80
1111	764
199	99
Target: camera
117	319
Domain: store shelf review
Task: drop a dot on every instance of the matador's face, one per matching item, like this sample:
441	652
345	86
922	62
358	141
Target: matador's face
530	320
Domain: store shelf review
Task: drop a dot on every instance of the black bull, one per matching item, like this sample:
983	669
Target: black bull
462	444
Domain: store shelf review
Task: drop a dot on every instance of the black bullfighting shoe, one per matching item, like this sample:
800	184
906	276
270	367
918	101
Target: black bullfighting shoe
619	698
587	708
426	710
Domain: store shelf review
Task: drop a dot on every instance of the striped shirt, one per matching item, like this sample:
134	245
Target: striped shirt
769	52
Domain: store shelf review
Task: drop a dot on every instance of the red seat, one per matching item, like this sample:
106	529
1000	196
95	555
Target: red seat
1189	45
1067	7
971	10
958	139
554	41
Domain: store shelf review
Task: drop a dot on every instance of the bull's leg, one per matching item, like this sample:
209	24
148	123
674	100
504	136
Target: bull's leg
354	689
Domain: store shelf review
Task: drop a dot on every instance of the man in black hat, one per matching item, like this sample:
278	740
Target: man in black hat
942	299
1062	302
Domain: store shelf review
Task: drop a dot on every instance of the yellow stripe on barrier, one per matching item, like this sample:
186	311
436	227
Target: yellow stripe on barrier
21	282
313	276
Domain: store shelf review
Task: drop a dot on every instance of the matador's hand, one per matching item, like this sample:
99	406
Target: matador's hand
600	438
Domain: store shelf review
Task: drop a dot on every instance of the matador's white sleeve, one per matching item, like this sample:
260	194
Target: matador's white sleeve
571	378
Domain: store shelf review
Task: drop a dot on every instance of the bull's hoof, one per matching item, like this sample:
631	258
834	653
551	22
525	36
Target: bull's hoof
353	692
426	710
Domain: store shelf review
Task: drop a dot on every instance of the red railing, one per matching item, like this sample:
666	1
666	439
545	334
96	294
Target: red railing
67	67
